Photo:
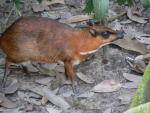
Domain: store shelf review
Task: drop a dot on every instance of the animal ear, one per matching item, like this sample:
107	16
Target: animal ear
93	32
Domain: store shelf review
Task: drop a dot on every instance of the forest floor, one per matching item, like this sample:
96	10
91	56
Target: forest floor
25	99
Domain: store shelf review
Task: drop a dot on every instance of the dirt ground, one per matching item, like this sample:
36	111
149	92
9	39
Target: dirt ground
113	102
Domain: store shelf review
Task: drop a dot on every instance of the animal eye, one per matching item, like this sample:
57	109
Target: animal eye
105	34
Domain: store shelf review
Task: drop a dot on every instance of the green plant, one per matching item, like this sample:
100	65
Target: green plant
144	108
145	3
142	92
122	2
98	7
17	6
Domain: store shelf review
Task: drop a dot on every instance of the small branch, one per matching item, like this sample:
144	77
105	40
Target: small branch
116	17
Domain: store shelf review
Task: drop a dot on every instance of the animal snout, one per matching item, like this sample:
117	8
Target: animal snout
120	34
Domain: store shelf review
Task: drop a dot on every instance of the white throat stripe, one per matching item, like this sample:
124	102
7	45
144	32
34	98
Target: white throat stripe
88	52
93	51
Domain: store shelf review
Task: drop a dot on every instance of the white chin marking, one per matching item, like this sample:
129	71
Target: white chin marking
88	52
93	51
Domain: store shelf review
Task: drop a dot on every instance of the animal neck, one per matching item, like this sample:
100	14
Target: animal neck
87	43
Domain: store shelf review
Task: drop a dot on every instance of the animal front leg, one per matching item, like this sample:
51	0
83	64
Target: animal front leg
69	71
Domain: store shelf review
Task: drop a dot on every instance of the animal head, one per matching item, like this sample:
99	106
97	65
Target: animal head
105	34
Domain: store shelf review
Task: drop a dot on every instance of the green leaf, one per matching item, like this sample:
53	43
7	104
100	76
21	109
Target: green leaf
143	108
141	93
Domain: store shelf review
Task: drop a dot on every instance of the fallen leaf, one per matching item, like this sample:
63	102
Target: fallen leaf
67	93
11	86
44	100
78	18
39	7
107	86
126	21
47	3
30	67
60	68
44	81
44	91
143	39
136	65
48	66
132	77
53	110
132	45
109	110
140	36
49	72
135	18
84	78
142	57
87	94
125	98
130	85
13	110
6	102
44	5
56	100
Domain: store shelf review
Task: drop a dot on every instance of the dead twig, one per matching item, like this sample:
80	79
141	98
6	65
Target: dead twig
117	16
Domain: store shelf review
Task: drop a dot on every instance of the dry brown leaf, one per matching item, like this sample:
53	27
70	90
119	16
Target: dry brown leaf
78	18
11	86
109	110
39	7
6	102
132	45
52	97
144	39
132	77
44	81
53	110
136	64
142	57
130	85
135	18
47	3
44	5
44	100
126	98
85	78
140	36
107	86
30	66
87	94
56	100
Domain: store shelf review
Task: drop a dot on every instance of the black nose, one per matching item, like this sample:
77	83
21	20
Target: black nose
120	34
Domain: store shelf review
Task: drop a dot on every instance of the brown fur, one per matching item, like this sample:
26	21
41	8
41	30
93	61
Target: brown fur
45	40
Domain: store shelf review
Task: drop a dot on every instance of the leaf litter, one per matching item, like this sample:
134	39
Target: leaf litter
107	86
